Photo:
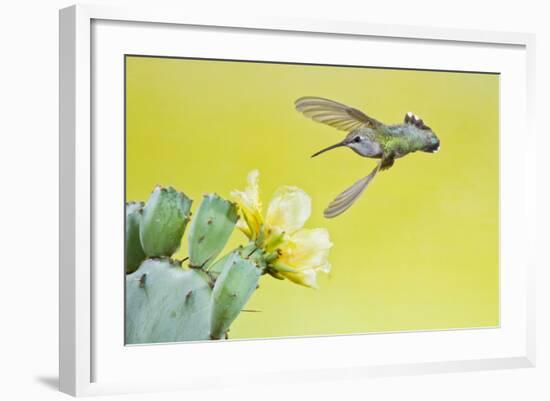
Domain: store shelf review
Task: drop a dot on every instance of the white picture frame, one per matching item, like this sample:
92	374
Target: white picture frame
93	357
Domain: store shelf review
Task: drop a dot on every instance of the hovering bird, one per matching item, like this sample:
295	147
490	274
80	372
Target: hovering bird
368	138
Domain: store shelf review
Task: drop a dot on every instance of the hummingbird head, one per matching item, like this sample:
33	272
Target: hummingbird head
359	143
430	140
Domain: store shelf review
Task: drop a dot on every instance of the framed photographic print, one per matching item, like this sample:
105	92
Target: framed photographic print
290	199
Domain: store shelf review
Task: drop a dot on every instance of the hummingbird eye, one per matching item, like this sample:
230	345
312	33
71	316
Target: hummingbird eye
357	139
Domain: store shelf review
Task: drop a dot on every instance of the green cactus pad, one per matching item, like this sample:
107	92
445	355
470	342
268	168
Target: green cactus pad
210	229
166	303
163	221
215	269
233	288
133	252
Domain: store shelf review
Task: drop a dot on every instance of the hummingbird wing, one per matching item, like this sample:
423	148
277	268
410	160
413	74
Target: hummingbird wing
347	198
335	114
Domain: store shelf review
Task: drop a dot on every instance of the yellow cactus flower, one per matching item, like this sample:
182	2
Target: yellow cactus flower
289	209
250	206
306	252
294	253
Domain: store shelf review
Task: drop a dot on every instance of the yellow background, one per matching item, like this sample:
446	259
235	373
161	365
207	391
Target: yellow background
418	251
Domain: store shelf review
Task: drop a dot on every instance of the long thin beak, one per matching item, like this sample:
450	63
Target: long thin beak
337	145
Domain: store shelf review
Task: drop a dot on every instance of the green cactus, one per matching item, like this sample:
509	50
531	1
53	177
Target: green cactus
215	269
233	288
210	229
163	221
165	303
134	254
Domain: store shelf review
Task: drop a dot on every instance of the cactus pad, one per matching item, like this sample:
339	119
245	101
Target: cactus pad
167	303
234	286
133	252
163	221
210	229
216	268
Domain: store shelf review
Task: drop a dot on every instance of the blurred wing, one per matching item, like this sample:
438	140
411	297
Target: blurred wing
335	114
347	198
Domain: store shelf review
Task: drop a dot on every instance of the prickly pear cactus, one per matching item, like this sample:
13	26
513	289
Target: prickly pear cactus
210	229
200	296
237	281
215	269
166	303
134	253
163	221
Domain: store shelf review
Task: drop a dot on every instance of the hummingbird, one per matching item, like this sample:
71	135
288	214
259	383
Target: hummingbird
368	138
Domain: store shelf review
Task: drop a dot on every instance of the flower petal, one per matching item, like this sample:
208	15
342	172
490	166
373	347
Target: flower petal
289	209
250	197
307	252
250	205
243	226
307	249
307	278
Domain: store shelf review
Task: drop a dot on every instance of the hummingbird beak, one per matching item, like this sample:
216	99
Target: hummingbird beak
337	145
